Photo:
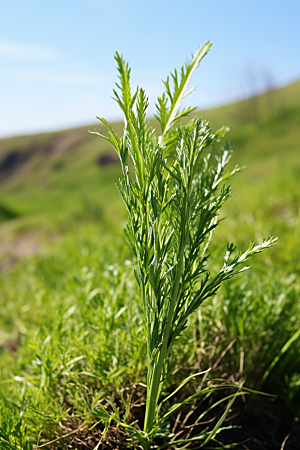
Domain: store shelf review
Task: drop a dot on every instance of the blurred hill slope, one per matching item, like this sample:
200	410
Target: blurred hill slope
69	175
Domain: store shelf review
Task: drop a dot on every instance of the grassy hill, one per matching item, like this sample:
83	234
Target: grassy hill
52	178
71	319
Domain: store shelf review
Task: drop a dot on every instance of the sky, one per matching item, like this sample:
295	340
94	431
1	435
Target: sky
57	67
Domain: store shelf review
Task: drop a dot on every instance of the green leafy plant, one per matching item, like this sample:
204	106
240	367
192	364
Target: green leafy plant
173	198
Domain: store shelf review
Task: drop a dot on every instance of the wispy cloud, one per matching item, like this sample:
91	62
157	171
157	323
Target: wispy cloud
55	77
25	52
66	79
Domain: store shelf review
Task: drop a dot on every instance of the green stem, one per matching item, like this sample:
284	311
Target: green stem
154	372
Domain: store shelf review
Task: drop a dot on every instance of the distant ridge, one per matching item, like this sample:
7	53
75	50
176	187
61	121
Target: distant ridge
41	172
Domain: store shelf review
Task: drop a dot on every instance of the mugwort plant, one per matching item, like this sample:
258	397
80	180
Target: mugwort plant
173	187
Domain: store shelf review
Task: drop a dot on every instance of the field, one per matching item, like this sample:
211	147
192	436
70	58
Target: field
71	325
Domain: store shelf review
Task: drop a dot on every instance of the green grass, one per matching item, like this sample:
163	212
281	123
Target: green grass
77	320
71	330
71	320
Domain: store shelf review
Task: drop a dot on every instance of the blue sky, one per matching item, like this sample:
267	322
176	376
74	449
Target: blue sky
57	56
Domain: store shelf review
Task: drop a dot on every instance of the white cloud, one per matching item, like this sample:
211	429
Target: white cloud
25	52
62	79
55	77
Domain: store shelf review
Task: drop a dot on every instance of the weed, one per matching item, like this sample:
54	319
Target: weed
173	202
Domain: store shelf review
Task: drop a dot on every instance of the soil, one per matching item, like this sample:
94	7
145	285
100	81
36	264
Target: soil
16	160
258	424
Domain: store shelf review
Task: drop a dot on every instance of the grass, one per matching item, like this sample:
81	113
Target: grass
76	320
61	321
71	323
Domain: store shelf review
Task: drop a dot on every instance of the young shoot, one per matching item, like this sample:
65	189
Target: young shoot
173	186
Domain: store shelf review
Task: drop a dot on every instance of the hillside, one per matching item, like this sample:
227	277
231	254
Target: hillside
50	178
73	348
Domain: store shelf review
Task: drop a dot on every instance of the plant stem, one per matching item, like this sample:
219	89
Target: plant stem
155	370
